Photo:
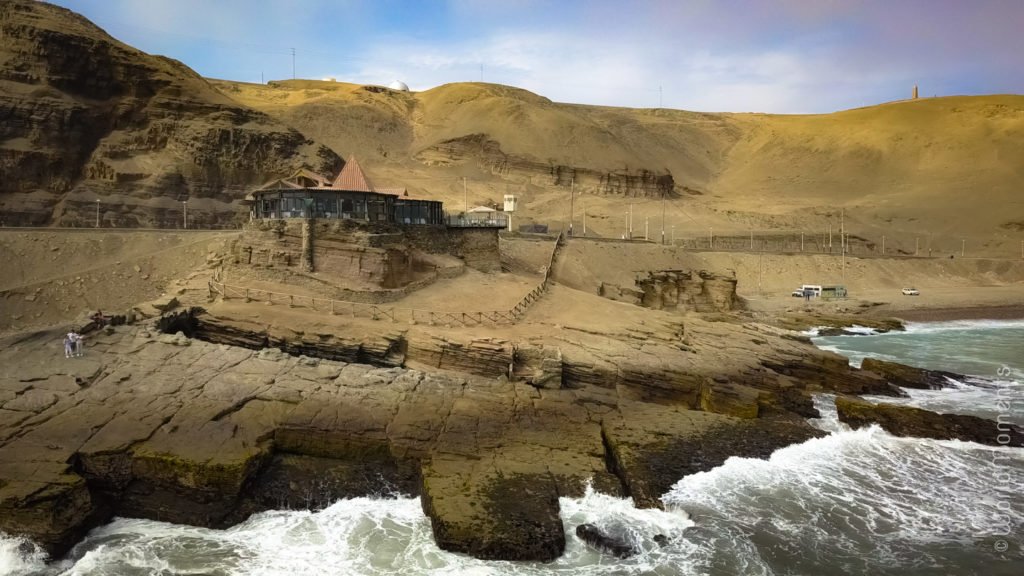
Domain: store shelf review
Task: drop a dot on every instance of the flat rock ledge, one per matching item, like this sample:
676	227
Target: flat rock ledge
910	421
172	428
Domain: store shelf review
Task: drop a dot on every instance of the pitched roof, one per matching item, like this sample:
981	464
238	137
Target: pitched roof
279	183
392	191
309	174
352	178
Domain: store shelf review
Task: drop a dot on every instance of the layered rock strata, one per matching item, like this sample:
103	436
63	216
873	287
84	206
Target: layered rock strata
487	153
85	117
165	426
678	290
911	421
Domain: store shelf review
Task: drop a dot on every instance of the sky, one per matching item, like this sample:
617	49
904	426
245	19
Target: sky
786	56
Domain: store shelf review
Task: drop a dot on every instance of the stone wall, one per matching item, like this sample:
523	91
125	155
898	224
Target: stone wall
478	247
366	255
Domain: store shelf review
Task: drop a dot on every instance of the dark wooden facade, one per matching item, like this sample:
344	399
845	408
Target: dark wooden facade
344	205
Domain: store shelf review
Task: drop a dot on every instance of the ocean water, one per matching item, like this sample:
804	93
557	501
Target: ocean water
852	502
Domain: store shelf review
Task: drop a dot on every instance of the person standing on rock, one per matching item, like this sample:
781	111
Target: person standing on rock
79	344
69	344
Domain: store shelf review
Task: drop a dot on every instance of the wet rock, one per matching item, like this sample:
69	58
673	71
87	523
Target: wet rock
616	545
910	421
909	376
650	462
488	513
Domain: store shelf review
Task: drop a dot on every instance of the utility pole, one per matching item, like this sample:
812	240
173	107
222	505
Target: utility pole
963	247
97	212
184	214
844	259
293	63
647	227
663	216
842	230
584	215
572	198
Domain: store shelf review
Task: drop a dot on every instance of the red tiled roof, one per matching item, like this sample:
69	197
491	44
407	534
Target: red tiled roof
392	191
352	178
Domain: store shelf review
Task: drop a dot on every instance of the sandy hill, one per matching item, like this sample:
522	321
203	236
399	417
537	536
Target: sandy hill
940	167
85	117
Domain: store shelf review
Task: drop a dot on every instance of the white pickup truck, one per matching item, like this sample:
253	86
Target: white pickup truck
910	292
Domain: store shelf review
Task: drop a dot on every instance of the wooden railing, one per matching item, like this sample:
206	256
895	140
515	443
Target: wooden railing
395	314
520	308
360	309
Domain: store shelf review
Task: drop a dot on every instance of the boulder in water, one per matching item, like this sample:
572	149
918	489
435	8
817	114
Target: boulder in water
617	546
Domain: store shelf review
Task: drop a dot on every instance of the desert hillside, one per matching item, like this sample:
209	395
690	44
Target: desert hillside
937	170
84	117
88	118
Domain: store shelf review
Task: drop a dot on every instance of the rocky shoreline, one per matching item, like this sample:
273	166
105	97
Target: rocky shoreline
168	427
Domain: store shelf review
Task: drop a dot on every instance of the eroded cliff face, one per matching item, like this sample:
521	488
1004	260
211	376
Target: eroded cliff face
84	117
678	290
487	153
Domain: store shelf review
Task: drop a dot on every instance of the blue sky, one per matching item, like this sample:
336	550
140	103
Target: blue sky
789	56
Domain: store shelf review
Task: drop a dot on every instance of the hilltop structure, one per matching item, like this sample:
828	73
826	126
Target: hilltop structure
377	243
350	196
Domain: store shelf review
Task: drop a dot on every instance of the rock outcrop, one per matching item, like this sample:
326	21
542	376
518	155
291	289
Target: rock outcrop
487	153
85	117
909	376
206	432
910	421
615	545
678	290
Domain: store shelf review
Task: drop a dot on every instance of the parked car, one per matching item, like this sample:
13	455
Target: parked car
797	293
911	292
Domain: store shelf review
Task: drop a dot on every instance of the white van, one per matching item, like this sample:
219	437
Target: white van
815	289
